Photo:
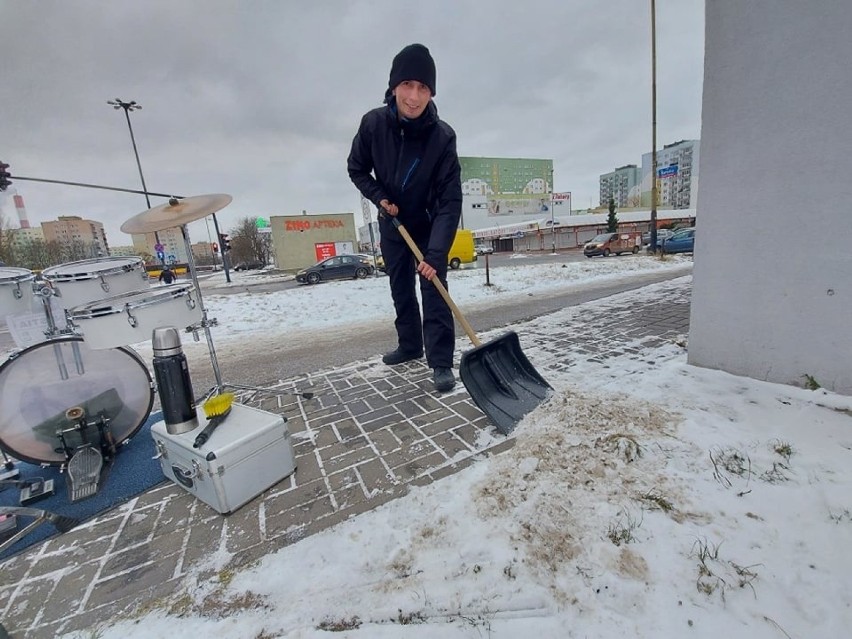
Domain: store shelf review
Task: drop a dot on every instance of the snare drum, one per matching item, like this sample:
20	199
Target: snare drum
132	317
16	291
88	280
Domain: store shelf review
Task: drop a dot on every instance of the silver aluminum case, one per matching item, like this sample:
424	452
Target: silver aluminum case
250	451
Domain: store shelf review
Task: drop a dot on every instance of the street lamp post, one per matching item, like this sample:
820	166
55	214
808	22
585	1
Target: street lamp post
552	229
117	104
653	126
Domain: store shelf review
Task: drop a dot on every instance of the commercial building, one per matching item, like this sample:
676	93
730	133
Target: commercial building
622	185
302	240
505	195
574	231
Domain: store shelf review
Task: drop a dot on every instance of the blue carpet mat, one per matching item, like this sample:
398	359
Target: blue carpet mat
133	472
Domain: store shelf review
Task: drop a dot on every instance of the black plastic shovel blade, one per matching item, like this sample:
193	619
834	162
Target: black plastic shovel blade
502	382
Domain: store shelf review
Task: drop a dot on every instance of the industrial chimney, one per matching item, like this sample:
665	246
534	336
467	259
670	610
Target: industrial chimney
22	212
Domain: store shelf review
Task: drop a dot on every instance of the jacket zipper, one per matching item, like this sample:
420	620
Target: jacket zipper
410	171
399	156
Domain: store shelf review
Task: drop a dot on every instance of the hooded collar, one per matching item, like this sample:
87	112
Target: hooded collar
412	127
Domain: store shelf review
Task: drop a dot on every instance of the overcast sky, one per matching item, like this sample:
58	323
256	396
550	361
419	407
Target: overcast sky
261	100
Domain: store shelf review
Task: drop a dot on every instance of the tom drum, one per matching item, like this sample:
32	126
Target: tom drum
88	280
16	291
132	317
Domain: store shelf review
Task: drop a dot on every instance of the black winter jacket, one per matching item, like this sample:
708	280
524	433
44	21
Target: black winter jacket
416	167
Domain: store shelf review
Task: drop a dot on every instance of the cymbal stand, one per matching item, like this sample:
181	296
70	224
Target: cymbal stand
206	323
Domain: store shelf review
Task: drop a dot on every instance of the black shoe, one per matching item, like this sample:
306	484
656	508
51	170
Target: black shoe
444	379
400	356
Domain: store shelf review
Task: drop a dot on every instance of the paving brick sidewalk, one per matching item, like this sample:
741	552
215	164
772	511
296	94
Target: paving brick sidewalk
369	433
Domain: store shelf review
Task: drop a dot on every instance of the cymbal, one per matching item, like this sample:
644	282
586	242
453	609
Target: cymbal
183	211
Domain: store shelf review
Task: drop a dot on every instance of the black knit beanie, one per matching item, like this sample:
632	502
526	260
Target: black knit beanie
414	62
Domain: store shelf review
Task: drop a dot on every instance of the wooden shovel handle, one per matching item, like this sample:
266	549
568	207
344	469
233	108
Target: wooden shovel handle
438	284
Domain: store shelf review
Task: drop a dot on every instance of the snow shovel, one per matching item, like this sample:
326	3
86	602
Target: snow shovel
497	374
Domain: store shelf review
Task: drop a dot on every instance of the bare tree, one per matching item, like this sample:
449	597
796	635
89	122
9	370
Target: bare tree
248	244
38	254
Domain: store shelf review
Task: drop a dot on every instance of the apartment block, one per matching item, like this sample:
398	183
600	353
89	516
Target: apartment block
73	232
677	175
174	249
621	185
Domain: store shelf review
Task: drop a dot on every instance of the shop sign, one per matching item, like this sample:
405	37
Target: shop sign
309	225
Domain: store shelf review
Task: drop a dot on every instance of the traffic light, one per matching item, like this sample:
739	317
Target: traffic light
224	242
215	247
4	176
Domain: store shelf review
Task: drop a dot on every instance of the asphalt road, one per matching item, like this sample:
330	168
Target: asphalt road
494	261
260	362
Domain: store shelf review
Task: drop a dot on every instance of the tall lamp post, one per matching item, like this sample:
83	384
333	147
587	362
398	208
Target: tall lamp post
552	229
653	126
117	104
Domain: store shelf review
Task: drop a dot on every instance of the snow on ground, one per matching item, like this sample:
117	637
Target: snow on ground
647	498
346	302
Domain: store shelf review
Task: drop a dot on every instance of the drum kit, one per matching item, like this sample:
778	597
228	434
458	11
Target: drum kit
72	399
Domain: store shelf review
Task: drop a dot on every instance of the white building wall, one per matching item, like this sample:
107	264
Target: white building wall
772	296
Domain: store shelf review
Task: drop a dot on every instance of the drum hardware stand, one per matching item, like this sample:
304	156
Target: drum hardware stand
61	523
205	324
32	490
177	213
9	471
86	462
45	292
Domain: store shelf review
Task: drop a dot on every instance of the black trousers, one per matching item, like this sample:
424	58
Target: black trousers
436	331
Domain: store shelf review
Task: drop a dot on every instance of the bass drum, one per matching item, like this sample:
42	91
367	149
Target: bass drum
40	383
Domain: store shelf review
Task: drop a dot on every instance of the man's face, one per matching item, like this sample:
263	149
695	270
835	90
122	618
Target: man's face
411	98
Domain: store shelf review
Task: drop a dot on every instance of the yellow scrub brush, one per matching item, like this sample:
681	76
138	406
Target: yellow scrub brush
216	409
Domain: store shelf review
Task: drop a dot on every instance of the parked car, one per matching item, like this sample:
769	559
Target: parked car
336	268
608	243
662	234
484	249
249	265
379	262
683	241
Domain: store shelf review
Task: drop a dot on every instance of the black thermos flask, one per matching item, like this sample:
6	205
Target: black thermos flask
173	383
